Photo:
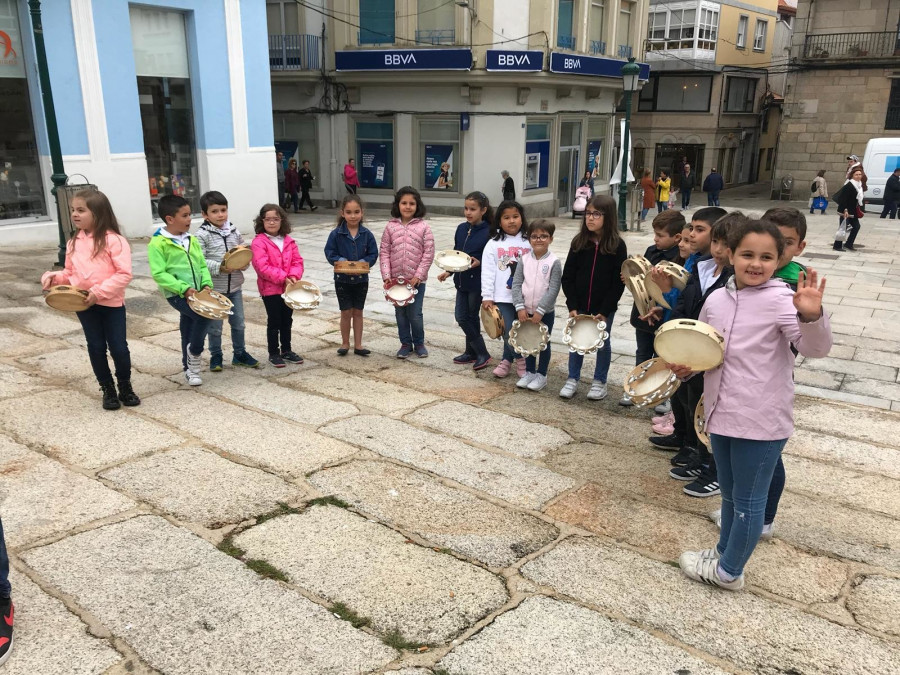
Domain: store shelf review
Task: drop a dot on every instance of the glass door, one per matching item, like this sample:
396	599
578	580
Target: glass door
568	177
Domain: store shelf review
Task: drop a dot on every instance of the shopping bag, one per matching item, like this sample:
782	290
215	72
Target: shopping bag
820	203
673	199
843	231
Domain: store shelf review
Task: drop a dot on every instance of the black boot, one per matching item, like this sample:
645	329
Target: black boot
110	398
127	395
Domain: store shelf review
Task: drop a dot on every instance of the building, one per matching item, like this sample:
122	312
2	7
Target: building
446	95
708	101
165	96
843	88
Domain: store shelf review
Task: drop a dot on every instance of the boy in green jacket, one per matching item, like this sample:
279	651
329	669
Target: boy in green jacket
178	268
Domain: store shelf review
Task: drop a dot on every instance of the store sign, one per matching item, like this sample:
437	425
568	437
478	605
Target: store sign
598	66
404	59
12	63
514	61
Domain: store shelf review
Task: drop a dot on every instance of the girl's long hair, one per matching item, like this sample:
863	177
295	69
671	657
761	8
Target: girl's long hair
349	199
259	222
484	203
496	232
104	218
609	234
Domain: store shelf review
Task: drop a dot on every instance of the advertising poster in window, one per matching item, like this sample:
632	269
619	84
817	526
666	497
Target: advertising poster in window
376	164
438	167
593	158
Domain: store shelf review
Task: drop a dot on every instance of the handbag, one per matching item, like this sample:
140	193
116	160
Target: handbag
859	212
820	203
843	230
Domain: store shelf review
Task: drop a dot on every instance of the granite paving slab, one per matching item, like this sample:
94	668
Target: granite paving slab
15	382
41	320
17	343
875	603
850	454
62	365
846	420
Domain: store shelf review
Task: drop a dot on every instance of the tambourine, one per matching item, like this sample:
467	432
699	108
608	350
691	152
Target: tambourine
679	277
453	261
401	293
302	295
528	338
351	267
237	258
210	304
66	298
638	290
690	343
635	266
650	383
700	423
492	321
584	334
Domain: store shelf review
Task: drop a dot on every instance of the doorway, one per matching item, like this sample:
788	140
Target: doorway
569	167
670	156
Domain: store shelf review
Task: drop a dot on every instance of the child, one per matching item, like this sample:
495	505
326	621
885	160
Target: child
407	251
663	184
592	284
749	398
98	260
178	268
792	225
536	284
6	604
499	261
471	237
217	235
306	180
350	240
277	262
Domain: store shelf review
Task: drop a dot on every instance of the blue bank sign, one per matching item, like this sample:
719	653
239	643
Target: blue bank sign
598	66
404	59
514	61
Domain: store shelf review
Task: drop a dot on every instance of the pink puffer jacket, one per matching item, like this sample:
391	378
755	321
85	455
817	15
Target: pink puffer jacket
273	266
406	250
106	276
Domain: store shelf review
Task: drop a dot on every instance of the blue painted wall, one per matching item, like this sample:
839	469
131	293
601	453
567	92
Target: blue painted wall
256	74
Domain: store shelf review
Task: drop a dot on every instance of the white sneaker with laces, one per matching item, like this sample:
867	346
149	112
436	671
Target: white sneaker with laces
568	390
699	566
525	380
192	379
597	392
538	382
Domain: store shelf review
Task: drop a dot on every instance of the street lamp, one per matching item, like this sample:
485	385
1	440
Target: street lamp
630	73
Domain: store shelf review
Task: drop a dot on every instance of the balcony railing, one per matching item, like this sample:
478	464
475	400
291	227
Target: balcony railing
851	45
436	36
369	38
295	52
565	42
625	51
598	47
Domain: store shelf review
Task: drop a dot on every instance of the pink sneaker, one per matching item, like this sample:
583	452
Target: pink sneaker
520	367
502	369
663	430
668	418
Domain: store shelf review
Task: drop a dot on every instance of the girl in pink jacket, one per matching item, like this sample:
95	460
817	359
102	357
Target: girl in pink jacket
407	251
749	399
98	260
277	262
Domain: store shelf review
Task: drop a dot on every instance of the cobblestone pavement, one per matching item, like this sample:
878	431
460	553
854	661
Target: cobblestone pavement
359	515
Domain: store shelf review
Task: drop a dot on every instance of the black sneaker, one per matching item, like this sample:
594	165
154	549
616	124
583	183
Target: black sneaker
685	456
276	361
670	441
704	486
292	357
464	358
689	472
6	629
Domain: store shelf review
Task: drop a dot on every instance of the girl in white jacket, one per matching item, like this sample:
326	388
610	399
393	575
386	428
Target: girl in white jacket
503	252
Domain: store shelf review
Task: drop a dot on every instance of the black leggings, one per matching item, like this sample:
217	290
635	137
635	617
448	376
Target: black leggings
279	318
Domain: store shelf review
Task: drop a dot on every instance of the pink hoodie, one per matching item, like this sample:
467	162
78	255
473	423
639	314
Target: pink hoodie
406	250
106	276
273	266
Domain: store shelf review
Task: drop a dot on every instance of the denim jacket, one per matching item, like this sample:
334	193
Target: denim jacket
341	246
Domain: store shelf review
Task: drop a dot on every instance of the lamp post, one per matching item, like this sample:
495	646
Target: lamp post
59	175
630	73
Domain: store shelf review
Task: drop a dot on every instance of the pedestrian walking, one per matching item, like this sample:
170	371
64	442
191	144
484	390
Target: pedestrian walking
588	181
509	188
663	184
819	197
292	183
712	186
688	183
351	178
849	201
279	171
306	180
649	194
853	164
891	195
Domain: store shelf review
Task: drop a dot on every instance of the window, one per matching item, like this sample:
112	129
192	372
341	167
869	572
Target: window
283	17
436	22
439	152
375	154
759	36
676	93
564	37
537	155
709	29
892	119
295	136
769	153
657	25
623	30
739	94
596	27
741	40
596	145
376	22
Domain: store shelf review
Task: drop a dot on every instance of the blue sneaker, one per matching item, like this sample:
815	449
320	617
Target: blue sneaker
404	352
215	363
244	360
421	352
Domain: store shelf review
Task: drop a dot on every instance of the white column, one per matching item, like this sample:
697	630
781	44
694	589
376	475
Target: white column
89	74
234	39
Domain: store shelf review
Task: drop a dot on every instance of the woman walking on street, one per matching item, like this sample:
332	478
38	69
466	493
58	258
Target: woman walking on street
820	189
850	206
351	178
292	183
649	194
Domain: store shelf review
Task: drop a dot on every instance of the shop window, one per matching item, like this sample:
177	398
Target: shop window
439	154
537	155
164	95
376	22
375	154
759	36
21	187
676	93
739	94
296	138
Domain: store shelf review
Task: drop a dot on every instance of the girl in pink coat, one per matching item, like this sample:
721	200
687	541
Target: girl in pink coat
749	399
98	260
407	251
277	262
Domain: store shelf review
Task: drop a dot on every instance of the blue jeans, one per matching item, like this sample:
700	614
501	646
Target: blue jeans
193	328
644	214
712	198
104	327
235	320
662	206
542	361
468	306
508	312
685	198
604	356
745	470
4	566
410	324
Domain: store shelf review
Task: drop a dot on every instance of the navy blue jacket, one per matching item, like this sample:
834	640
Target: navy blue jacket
341	246
471	240
691	300
713	183
655	256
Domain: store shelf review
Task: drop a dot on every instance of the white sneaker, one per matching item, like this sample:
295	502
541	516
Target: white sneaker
768	531
525	380
716	517
663	408
538	382
597	392
701	566
193	363
192	379
568	390
626	401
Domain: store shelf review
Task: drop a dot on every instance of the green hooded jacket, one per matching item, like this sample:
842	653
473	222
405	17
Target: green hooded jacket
173	268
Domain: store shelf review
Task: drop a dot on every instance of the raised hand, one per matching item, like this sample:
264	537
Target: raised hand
808	298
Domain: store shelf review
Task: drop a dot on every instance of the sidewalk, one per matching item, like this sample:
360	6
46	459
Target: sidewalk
370	515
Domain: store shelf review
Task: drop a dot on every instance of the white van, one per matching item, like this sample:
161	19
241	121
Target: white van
881	158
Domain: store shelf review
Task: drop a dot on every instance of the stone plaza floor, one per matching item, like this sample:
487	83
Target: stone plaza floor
369	515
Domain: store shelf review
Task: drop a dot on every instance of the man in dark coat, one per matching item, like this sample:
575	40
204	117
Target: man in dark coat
712	186
688	183
509	188
891	195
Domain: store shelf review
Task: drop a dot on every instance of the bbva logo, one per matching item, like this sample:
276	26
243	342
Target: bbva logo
513	59
398	59
6	45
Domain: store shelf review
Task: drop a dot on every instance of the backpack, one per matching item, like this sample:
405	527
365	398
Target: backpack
813	188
